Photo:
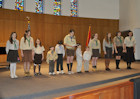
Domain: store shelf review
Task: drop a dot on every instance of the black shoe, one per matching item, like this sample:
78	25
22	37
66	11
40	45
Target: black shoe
87	71
129	68
79	72
117	68
35	74
94	67
107	69
39	73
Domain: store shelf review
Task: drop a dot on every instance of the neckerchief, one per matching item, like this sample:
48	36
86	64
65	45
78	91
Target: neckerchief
15	46
130	38
119	39
96	42
28	41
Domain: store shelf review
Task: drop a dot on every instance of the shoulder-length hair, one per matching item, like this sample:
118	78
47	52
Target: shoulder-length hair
25	34
107	39
36	43
11	39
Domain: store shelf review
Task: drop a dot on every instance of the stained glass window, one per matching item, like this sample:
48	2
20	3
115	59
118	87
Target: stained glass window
19	5
57	7
0	3
39	6
73	8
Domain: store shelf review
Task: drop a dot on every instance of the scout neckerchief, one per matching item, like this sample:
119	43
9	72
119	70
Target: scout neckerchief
71	38
28	41
110	42
96	42
15	46
130	38
119	39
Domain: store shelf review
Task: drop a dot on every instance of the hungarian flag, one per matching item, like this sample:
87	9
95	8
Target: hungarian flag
89	36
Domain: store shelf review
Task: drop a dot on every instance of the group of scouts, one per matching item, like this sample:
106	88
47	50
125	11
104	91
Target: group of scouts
35	52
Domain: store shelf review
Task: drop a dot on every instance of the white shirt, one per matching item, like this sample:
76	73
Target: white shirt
78	53
59	49
128	42
87	55
10	46
39	49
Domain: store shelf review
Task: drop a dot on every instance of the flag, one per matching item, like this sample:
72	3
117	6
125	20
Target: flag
89	36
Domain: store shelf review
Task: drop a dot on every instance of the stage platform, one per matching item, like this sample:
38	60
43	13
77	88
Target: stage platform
48	87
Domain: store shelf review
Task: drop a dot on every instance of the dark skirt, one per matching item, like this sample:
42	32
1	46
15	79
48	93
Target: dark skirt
108	53
13	56
27	56
38	58
120	51
70	52
129	55
95	53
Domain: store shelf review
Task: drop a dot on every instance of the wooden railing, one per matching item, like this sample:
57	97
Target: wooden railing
118	91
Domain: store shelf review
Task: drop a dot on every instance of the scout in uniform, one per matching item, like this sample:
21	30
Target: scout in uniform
50	59
38	56
12	47
95	48
108	50
118	47
129	49
70	43
27	46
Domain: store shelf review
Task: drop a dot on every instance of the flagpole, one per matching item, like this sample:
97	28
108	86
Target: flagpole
28	20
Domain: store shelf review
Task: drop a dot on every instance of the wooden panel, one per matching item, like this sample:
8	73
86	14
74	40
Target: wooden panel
50	28
118	91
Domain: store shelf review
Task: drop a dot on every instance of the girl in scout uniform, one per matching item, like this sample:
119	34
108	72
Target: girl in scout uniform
50	59
38	55
129	49
108	50
26	46
95	48
12	47
70	43
118	47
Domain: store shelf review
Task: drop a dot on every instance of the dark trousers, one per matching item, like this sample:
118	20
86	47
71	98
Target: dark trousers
51	66
59	62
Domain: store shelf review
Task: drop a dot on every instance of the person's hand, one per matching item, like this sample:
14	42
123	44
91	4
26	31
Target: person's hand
112	52
105	52
116	51
22	55
42	58
134	50
124	50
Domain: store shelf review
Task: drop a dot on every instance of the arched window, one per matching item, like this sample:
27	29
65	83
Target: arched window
39	6
19	5
73	8
0	3
57	7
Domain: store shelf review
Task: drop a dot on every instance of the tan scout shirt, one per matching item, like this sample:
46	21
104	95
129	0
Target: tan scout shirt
26	45
51	56
70	41
118	41
95	44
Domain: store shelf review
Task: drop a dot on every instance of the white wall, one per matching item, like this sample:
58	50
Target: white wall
129	15
106	9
